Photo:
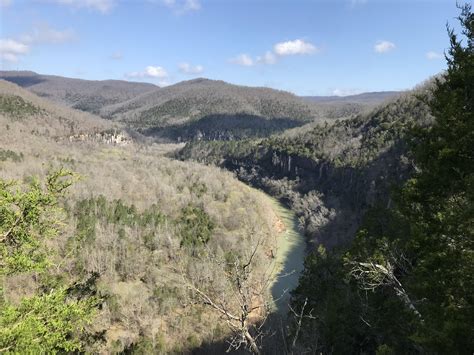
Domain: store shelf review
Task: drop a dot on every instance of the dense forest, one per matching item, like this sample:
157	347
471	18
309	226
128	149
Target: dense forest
104	241
405	284
112	241
386	200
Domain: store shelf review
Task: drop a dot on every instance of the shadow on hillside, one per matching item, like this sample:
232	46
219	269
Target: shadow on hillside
347	190
225	127
24	81
270	342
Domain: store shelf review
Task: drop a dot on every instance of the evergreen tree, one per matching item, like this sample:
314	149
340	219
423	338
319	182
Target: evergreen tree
410	271
51	321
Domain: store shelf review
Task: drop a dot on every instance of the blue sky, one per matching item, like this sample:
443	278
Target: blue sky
309	47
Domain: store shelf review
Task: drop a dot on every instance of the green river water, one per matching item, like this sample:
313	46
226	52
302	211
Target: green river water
289	257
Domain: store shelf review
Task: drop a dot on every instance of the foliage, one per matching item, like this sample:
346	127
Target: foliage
196	226
6	154
16	107
44	323
410	268
89	212
48	323
27	217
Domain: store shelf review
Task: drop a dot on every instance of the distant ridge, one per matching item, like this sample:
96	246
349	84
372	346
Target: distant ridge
195	109
374	98
85	95
27	114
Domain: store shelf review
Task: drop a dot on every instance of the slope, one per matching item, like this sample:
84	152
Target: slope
331	173
133	225
210	109
85	95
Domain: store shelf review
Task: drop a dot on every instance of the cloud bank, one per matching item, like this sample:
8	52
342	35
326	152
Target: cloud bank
280	49
13	49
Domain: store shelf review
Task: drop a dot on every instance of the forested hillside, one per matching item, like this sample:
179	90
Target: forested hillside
130	222
199	109
85	95
105	242
406	283
210	109
332	172
387	199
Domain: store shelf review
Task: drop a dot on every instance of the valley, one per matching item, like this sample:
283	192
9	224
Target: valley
204	217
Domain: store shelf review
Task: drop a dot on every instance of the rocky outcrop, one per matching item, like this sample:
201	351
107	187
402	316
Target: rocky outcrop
112	138
330	200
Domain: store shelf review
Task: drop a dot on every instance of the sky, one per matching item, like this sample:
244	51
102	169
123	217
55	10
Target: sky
308	47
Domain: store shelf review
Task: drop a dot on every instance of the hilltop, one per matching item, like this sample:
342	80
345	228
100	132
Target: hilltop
25	113
195	109
130	228
85	95
212	109
372	98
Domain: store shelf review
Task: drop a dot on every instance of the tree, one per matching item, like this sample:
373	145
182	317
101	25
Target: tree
238	298
196	226
54	320
430	267
408	277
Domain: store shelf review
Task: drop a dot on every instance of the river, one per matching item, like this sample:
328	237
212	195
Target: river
289	258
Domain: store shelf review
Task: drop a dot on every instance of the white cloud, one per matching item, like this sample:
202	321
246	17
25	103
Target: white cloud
244	60
45	34
383	46
298	46
268	58
434	55
11	50
187	68
162	83
103	6
150	72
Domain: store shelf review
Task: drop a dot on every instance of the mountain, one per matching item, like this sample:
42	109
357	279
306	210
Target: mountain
330	173
22	113
132	225
195	109
85	95
211	109
373	98
340	107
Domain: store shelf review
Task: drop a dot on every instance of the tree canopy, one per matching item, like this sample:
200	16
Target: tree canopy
406	284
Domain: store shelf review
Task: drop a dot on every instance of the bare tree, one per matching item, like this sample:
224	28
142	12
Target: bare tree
299	316
241	300
371	275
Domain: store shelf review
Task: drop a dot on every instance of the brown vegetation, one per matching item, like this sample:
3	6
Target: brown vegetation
126	225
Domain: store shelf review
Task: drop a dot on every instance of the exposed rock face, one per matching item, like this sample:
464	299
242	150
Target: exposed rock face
329	174
329	200
115	138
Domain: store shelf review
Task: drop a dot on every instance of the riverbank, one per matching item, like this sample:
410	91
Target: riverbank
289	256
